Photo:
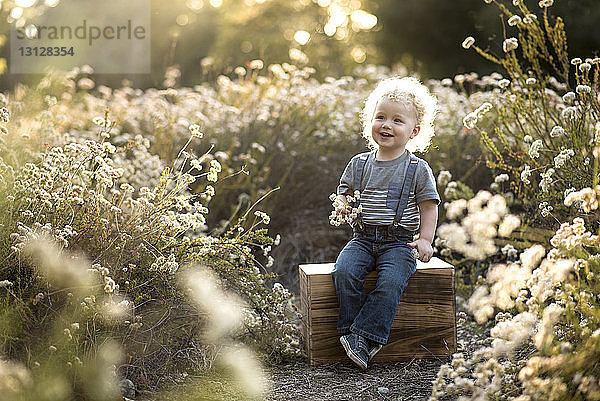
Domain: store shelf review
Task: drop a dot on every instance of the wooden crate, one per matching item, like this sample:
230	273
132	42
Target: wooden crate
424	326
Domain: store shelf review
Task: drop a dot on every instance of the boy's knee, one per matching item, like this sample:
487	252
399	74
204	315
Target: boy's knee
344	272
392	282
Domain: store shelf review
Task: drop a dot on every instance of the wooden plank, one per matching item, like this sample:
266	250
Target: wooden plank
305	313
326	268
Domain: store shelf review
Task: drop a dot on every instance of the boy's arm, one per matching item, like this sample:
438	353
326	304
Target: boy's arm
428	211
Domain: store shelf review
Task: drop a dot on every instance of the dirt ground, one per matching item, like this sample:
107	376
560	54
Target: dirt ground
399	381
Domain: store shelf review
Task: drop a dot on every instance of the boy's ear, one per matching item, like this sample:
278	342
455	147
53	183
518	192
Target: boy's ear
416	131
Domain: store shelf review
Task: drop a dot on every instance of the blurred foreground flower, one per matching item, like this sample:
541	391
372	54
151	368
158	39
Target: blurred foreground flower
224	317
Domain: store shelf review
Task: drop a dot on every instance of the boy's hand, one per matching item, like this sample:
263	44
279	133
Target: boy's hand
424	249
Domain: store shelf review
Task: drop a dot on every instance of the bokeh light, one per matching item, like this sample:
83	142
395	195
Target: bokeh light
302	37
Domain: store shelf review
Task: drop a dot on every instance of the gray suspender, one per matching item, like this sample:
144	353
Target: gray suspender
360	169
408	178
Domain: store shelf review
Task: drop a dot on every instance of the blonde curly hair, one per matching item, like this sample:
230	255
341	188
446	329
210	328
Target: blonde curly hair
410	91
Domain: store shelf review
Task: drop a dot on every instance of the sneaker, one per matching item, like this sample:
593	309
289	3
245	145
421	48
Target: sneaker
374	348
356	348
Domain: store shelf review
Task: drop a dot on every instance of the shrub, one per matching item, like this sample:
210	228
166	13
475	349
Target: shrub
543	341
543	131
88	197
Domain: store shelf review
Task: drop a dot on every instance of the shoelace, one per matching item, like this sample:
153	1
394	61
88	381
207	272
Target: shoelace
362	343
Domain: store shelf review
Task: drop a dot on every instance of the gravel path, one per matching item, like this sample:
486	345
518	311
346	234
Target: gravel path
400	381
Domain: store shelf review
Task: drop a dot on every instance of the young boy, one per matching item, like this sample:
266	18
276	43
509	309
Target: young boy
398	198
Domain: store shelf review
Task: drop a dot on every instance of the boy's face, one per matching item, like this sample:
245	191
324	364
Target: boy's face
393	125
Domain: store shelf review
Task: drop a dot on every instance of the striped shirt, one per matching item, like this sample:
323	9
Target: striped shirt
381	187
375	211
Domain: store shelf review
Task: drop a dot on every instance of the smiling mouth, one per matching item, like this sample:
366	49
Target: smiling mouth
386	135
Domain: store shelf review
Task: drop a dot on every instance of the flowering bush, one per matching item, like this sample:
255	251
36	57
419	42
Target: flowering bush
544	340
543	132
270	128
139	227
78	356
540	137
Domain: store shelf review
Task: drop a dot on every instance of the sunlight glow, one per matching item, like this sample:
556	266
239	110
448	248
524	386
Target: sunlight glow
363	19
182	20
52	3
338	16
25	3
31	31
16	12
329	29
194	5
358	54
216	3
302	37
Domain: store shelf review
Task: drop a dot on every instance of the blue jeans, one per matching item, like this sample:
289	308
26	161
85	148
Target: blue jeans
373	248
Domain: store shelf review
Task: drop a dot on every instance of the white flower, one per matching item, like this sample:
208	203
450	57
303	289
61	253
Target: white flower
195	131
569	113
5	284
557	130
568	97
468	42
195	163
256	64
545	3
514	20
501	178
534	149
525	174
100	121
581	89
562	157
270	261
576	61
508	225
510	44
503	83
546	179
215	165
545	209
530	81
586	198
212	176
470	120
509	251
585	67
266	219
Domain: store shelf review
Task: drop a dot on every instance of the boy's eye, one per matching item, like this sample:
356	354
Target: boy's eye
397	120
379	118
